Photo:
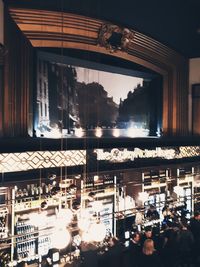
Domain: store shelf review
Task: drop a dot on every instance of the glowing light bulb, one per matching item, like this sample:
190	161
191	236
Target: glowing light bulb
116	132
84	220
79	132
64	217
86	237
98	132
84	224
97	232
60	238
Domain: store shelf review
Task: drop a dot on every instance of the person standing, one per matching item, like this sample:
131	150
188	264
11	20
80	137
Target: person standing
195	229
185	245
134	250
89	255
115	253
169	251
149	256
147	234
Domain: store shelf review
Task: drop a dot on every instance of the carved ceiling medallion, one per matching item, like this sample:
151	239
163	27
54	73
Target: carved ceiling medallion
115	38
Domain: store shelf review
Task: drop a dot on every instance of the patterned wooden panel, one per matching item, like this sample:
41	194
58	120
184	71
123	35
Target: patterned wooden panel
14	162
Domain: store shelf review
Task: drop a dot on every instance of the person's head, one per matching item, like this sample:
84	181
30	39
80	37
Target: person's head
183	224
148	232
148	247
136	237
113	241
152	207
155	231
197	215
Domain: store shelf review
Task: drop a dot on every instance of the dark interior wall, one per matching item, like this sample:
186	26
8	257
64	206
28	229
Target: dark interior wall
1	97
16	115
196	109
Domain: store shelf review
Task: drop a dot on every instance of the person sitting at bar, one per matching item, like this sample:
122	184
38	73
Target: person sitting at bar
166	212
152	213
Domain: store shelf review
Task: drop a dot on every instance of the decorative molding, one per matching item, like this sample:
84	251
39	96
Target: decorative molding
16	162
114	38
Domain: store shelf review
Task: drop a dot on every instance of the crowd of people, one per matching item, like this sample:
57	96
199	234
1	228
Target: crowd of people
174	244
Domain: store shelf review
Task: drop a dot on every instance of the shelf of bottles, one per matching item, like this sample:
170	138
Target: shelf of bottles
3	222
32	196
185	172
185	188
99	181
4	230
44	244
31	242
155	178
5	243
26	241
97	186
155	184
34	211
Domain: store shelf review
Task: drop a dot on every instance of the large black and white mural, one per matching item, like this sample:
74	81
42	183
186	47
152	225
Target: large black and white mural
78	99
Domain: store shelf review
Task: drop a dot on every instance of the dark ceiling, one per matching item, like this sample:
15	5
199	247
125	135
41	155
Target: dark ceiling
175	23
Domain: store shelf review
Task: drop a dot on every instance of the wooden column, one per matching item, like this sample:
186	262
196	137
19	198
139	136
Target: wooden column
18	81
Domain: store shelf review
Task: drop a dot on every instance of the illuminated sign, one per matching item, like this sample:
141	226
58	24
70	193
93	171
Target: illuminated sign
123	155
15	162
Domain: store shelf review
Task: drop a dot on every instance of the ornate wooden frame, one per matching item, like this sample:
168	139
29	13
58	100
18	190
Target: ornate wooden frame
57	29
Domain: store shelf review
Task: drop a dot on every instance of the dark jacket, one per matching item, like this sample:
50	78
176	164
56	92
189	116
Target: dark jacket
114	256
134	253
150	260
89	256
185	241
195	229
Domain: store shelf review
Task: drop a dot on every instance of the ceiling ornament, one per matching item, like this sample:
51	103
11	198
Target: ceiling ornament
115	38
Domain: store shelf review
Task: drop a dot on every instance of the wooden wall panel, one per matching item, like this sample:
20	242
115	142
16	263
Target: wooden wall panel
18	81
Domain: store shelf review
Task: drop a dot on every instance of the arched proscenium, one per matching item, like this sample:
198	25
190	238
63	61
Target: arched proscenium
55	29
